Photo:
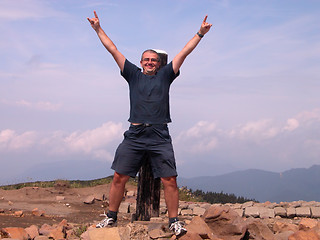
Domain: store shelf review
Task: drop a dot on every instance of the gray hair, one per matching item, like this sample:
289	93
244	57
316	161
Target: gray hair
151	51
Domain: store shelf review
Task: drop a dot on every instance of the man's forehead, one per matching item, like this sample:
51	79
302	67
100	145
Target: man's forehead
150	54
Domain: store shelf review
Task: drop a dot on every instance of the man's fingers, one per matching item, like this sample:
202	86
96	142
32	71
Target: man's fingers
95	14
205	18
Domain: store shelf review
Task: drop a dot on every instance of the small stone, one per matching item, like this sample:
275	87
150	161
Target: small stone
156	219
131	193
37	212
186	212
89	199
18	213
60	198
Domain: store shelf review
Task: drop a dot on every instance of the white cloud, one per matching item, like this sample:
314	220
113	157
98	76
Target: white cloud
11	141
199	138
292	124
204	145
93	142
255	130
313	115
200	129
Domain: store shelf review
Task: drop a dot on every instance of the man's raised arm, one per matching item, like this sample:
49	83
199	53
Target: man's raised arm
106	41
188	48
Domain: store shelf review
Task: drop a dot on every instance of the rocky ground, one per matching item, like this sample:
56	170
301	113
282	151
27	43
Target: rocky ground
53	204
71	213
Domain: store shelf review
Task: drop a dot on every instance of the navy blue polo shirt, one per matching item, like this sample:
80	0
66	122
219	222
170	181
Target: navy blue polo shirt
149	95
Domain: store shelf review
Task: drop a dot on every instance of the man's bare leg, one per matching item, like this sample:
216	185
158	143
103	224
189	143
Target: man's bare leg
117	191
171	195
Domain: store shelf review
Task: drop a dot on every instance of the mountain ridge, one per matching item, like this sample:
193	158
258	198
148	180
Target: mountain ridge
290	185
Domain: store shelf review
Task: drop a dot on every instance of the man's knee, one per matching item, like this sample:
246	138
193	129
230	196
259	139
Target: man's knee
169	182
120	179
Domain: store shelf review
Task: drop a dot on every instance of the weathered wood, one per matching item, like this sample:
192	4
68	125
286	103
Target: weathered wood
148	197
163	56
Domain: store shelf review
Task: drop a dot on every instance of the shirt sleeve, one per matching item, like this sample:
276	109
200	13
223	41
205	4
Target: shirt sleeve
129	70
170	73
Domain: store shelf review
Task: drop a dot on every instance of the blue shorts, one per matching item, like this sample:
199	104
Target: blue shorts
143	142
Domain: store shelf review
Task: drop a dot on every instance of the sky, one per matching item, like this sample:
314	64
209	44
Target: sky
247	96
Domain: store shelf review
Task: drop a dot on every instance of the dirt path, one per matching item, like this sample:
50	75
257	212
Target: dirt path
56	203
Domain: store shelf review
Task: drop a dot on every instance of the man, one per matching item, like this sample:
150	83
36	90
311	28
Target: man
148	134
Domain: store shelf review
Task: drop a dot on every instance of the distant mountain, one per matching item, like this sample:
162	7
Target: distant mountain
67	170
291	185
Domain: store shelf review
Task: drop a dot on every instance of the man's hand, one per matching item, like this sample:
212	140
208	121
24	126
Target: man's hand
205	27
95	24
106	41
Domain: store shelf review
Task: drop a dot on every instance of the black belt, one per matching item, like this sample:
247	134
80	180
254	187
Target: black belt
148	124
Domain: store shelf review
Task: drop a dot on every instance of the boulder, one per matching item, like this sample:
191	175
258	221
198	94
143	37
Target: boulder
198	211
307	224
159	234
41	238
280	211
198	225
239	211
315	212
247	204
251	212
33	231
304	235
291	212
225	222
104	234
279	227
303	212
15	233
186	212
266	213
190	236
258	230
55	232
283	235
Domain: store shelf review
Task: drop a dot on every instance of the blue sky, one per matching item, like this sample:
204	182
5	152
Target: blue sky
247	97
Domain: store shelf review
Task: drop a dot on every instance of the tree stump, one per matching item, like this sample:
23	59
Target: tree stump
148	197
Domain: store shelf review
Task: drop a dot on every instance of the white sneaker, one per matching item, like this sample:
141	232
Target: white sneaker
106	222
178	228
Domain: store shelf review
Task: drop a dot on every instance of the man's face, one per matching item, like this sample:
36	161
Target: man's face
150	63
